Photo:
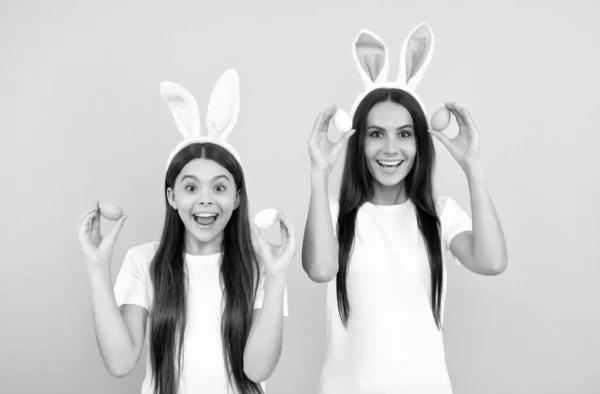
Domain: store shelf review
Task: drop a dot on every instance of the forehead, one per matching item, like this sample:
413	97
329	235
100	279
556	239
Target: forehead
204	170
388	114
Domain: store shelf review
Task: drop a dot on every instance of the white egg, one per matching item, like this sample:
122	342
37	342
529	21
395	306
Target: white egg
342	121
110	211
440	119
265	218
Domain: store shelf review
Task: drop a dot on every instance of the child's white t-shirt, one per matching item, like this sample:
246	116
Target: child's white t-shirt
391	344
203	368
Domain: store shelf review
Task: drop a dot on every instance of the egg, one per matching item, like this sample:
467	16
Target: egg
110	211
265	218
342	121
440	119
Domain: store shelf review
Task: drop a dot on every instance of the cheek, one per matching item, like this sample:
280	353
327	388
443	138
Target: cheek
371	148
227	201
410	149
184	202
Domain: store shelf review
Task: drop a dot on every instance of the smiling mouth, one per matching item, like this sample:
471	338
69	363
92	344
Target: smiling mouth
389	164
205	218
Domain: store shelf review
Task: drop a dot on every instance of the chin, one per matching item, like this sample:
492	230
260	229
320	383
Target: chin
204	238
204	235
389	181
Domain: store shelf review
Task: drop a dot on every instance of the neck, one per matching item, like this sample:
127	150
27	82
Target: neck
198	248
389	195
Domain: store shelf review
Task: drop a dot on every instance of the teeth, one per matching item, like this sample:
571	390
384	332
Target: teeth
205	215
389	163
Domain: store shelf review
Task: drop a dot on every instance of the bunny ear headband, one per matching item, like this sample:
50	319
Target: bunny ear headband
372	60
222	113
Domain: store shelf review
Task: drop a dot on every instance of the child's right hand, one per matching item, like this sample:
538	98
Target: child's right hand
324	153
98	249
276	258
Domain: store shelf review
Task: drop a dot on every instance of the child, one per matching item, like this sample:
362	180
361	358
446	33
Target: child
382	251
212	320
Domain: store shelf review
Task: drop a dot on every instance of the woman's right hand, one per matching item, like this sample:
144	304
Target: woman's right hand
98	249
324	153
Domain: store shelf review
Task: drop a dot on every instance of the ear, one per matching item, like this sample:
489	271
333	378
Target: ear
183	107
171	198
224	105
415	55
236	204
371	57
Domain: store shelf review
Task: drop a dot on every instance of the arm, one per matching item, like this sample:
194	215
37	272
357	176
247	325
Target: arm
483	250
263	348
119	334
320	246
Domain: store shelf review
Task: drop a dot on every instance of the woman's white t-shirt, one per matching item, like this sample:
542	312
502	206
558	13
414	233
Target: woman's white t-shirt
204	367
392	344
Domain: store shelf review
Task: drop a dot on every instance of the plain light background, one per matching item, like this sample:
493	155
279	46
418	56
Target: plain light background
81	119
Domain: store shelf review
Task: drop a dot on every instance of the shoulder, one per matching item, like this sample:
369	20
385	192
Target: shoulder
441	202
446	205
334	207
142	254
334	204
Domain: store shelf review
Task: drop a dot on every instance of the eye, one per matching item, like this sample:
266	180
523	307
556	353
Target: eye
190	188
220	188
405	134
376	134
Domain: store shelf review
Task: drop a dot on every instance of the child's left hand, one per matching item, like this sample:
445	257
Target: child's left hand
276	258
465	146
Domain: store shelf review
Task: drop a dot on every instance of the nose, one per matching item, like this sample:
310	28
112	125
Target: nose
205	197
391	146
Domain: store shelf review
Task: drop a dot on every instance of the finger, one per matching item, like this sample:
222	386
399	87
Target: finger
84	226
117	229
86	213
288	231
456	112
343	141
470	121
322	123
330	111
260	241
443	138
255	241
95	227
316	127
94	209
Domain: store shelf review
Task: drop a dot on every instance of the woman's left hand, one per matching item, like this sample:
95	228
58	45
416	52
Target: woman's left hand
464	147
276	258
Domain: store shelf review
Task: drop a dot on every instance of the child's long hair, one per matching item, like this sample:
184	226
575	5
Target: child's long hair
239	277
357	188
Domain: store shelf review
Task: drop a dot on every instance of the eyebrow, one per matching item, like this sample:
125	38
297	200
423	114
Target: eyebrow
406	126
196	179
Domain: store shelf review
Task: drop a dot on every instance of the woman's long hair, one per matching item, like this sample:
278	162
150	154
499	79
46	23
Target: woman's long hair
357	188
238	274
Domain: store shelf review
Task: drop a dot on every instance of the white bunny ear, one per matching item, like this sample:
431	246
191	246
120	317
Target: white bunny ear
371	56
415	55
224	105
183	107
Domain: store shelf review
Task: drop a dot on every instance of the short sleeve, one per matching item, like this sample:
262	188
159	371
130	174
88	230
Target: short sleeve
260	295
334	208
133	280
453	219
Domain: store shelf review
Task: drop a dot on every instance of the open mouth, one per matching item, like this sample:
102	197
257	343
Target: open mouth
389	165
205	218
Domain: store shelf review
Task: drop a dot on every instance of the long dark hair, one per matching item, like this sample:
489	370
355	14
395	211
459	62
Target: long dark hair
357	188
238	275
